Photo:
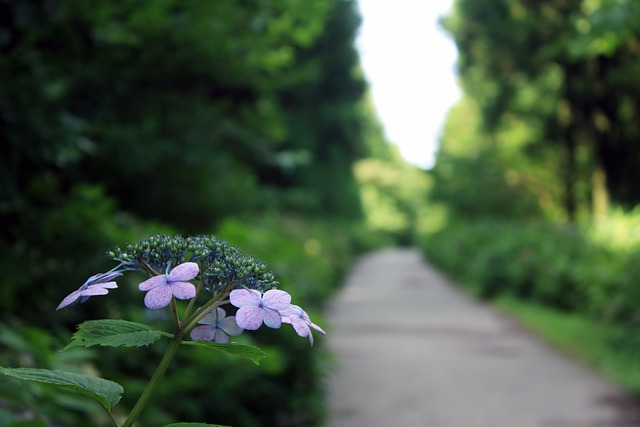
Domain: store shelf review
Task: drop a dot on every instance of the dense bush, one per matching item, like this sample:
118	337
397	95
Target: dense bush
119	120
561	266
284	390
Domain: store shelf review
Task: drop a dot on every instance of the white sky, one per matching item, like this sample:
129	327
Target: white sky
409	63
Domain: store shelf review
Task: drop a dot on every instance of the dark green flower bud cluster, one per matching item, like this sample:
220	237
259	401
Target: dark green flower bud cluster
220	264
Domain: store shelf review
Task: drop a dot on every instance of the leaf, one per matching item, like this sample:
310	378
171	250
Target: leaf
106	393
193	425
113	333
247	351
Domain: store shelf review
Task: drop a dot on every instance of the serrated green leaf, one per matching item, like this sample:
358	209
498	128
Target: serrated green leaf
106	393
246	351
114	333
193	425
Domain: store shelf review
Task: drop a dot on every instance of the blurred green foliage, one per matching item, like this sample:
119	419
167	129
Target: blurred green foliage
123	119
394	197
552	87
563	267
537	171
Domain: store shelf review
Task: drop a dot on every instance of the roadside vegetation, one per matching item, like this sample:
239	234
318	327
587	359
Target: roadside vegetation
537	172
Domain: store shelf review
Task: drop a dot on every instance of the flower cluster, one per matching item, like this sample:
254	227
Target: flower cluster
220	263
273	308
225	273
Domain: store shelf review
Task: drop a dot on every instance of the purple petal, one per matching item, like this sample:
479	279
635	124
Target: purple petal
107	285
154	282
317	328
204	333
183	290
69	299
292	311
220	314
158	297
103	277
272	318
93	291
221	337
230	326
184	272
249	318
276	299
301	328
244	297
211	318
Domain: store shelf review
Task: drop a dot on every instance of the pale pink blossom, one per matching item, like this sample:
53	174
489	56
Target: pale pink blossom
173	284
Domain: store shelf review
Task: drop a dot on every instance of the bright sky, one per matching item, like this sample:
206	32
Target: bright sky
409	63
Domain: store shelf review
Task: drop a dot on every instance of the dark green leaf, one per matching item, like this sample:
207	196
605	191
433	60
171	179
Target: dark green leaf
247	351
106	393
114	333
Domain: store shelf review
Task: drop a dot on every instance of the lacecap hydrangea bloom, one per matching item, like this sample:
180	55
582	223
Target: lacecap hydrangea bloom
206	269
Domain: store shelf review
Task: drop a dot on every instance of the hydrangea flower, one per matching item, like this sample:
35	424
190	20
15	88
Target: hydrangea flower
216	327
173	284
98	284
255	308
300	321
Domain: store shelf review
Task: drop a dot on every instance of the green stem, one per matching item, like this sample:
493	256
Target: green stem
174	313
155	380
187	312
112	419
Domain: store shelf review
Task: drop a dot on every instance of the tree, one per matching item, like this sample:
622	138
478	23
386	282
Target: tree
561	69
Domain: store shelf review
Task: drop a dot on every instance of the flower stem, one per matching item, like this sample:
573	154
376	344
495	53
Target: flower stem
187	311
112	419
154	381
217	300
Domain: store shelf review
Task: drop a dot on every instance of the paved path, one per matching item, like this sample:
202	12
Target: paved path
413	351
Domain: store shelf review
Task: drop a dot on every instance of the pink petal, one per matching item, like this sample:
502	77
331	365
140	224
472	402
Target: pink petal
276	299
154	282
244	297
272	318
183	290
158	297
249	318
204	333
184	272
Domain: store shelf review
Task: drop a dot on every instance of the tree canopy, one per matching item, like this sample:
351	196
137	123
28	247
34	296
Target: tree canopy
554	88
119	115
